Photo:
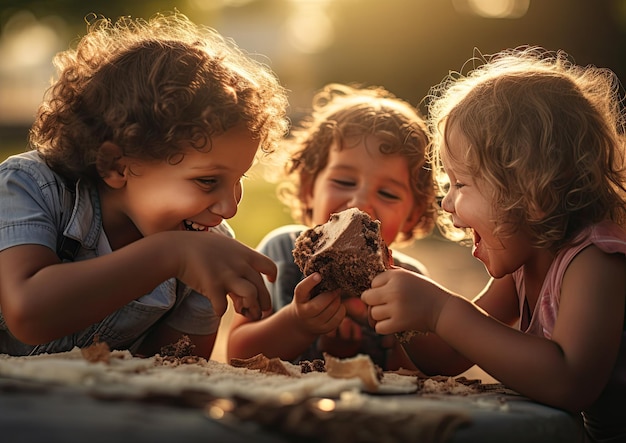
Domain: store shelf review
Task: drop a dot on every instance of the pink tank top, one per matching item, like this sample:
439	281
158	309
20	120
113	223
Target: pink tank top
605	420
607	236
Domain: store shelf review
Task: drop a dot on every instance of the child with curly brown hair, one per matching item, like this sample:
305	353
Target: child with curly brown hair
531	146
112	227
363	148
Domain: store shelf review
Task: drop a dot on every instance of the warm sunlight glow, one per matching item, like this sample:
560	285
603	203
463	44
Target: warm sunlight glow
26	42
493	8
309	29
325	404
219	408
27	46
203	5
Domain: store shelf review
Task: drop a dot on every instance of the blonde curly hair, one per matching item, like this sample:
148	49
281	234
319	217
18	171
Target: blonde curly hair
349	112
146	86
546	135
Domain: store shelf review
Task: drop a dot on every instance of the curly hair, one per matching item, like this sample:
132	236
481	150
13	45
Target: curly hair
348	112
546	135
147	86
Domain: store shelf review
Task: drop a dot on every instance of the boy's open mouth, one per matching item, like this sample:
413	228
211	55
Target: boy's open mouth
193	226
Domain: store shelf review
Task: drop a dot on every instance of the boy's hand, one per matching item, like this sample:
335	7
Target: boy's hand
216	265
318	315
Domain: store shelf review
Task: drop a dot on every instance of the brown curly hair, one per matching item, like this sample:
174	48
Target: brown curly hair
342	112
146	86
545	134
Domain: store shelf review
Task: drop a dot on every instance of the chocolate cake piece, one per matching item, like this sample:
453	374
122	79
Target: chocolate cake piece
348	251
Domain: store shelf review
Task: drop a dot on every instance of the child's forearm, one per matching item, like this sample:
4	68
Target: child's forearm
279	335
433	356
62	298
534	366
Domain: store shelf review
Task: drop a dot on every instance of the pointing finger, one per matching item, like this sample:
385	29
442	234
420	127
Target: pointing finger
302	292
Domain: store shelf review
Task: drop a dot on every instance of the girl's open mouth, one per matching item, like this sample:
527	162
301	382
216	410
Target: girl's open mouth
476	243
476	238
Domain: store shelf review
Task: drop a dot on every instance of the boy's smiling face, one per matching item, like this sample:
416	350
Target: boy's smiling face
193	191
361	176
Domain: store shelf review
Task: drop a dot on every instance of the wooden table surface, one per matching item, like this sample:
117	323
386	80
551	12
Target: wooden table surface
33	412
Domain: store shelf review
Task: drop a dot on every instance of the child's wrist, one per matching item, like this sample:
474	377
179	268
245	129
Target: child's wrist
296	324
441	304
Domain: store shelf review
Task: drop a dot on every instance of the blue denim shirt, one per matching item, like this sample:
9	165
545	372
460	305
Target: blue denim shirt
38	207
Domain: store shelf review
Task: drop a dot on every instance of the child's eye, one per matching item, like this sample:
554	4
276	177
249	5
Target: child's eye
206	183
459	185
341	182
389	195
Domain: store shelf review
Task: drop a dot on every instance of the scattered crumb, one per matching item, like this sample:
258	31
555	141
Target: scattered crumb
448	385
406	336
317	365
360	366
98	351
262	363
178	353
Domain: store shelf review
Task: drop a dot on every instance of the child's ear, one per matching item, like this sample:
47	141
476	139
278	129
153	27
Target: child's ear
111	165
306	191
306	197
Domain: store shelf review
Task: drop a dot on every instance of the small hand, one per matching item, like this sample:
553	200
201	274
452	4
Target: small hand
215	265
401	300
320	314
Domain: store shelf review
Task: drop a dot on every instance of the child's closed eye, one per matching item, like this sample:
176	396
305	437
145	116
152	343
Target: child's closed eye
343	182
389	195
207	183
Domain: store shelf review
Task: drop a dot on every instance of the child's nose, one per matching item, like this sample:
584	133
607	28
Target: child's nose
447	203
226	206
362	201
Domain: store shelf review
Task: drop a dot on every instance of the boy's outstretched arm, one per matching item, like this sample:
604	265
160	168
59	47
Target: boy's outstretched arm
43	299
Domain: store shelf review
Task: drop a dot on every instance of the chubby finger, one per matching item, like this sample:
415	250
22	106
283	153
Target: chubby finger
243	307
381	279
265	266
264	299
302	291
258	290
356	309
350	330
219	304
385	327
378	313
246	298
345	329
370	320
371	297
